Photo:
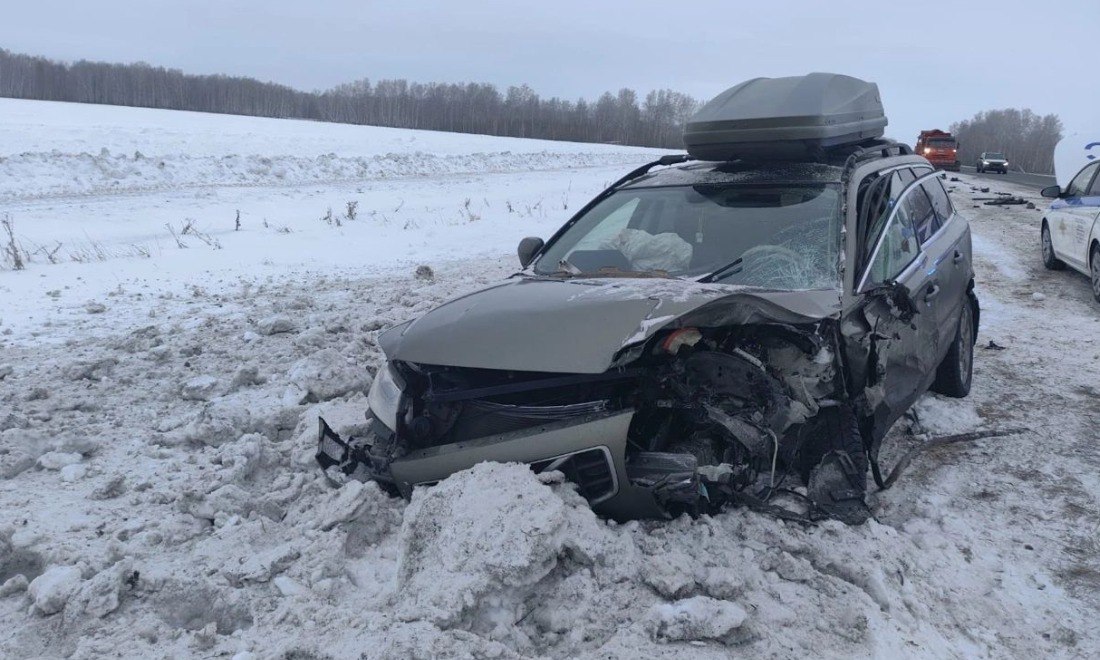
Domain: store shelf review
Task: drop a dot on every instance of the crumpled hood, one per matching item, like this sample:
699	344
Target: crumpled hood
580	325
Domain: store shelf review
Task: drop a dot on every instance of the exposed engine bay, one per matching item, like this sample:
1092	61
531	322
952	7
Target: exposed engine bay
712	416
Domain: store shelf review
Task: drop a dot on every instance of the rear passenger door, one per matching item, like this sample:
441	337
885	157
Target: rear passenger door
947	246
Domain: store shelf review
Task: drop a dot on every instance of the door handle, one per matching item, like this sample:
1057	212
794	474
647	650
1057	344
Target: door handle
931	292
959	257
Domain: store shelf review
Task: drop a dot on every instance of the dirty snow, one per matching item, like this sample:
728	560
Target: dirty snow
158	496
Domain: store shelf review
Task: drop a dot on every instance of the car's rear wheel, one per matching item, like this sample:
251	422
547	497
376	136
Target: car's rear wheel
957	369
1049	259
1094	270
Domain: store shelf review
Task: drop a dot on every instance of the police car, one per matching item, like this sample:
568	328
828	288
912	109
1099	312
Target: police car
1070	232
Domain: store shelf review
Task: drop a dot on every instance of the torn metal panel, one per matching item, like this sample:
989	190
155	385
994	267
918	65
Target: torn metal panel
899	350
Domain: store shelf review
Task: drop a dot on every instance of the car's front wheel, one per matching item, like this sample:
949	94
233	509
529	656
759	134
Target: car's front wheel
957	369
1094	270
1050	261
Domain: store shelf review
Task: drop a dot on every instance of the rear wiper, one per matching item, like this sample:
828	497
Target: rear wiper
732	268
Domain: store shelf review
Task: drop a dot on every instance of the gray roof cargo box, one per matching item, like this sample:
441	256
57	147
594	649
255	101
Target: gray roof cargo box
785	118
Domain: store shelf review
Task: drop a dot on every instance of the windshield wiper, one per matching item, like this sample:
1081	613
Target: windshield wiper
732	268
565	267
568	270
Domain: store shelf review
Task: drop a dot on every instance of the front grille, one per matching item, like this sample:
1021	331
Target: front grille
592	470
484	418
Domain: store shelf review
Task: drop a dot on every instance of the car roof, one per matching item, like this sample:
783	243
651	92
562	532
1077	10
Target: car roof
731	172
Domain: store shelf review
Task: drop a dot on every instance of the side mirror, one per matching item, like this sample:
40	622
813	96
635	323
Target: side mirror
527	249
1051	191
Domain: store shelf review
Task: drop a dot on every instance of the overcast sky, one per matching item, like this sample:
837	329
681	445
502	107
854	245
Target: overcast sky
935	62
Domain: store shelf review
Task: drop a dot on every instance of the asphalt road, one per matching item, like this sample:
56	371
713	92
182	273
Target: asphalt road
1034	180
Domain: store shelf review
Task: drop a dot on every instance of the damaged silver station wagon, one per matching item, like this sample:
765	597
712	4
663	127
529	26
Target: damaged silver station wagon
715	328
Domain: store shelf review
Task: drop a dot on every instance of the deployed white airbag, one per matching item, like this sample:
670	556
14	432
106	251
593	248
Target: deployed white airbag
646	251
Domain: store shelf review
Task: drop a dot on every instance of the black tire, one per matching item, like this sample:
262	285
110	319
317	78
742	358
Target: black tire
1094	270
955	373
1050	261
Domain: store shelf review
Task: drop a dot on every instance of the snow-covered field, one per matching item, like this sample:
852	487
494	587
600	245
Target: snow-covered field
158	407
114	222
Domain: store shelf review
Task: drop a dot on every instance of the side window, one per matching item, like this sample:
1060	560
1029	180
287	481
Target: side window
897	249
906	176
1094	191
920	212
941	203
1080	183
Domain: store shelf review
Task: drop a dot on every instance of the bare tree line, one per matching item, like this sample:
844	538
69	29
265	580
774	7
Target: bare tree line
656	121
1026	139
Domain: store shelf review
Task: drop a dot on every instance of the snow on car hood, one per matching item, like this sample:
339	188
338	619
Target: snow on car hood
580	325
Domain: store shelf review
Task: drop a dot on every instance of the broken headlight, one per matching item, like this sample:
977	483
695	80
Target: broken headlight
384	396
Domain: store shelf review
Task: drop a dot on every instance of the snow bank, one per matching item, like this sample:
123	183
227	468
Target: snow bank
40	174
696	618
474	549
51	590
49	148
35	126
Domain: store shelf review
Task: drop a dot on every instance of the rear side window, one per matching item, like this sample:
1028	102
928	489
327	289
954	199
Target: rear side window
1094	191
919	208
941	203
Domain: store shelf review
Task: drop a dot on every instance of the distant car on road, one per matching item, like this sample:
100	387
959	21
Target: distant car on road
991	161
1070	232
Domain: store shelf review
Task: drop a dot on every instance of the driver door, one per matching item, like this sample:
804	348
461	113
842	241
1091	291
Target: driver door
900	293
1068	217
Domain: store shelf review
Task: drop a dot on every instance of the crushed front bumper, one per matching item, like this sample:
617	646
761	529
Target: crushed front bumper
589	451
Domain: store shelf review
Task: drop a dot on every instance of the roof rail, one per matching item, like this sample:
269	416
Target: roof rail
669	159
872	149
877	148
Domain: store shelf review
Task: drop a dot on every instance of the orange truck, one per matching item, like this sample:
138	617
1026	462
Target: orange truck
940	148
